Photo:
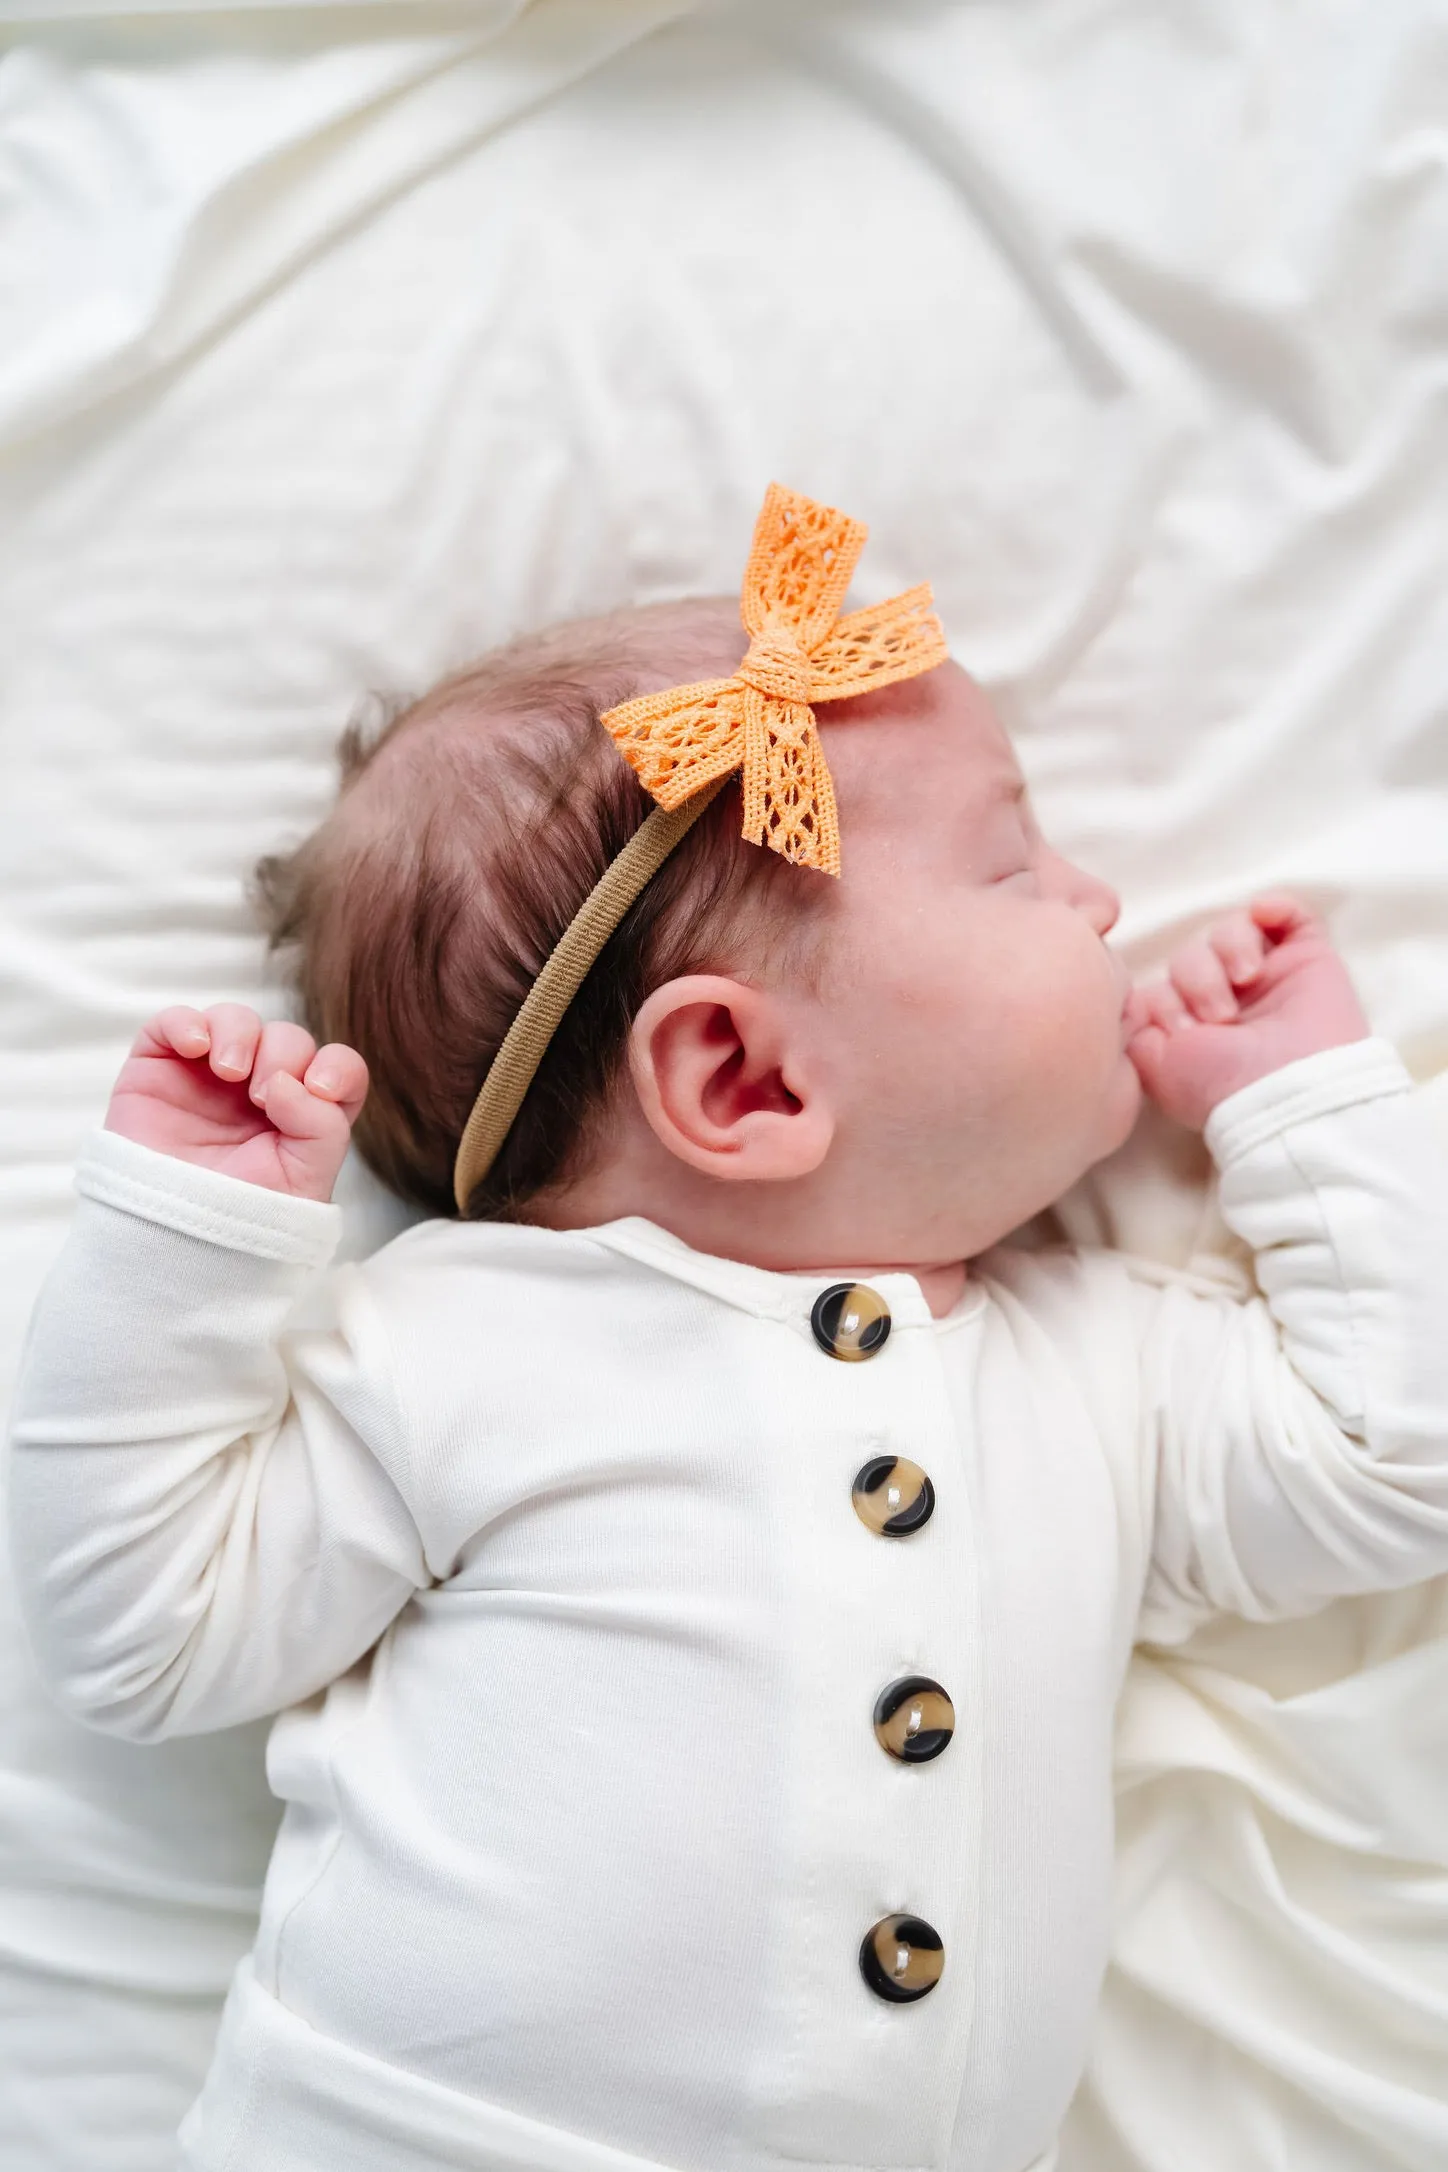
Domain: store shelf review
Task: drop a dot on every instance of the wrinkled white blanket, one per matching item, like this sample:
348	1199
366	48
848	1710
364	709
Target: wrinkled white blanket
340	341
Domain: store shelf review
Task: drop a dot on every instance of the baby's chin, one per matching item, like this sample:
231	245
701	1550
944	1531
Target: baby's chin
1120	1107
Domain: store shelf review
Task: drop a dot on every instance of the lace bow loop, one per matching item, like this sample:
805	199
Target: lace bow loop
801	651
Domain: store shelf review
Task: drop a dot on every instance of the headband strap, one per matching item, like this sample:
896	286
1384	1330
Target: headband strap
513	1068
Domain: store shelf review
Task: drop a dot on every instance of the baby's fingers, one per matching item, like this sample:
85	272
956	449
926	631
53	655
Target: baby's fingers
298	1114
235	1031
1240	944
322	1104
176	1031
1209	971
1159	1005
283	1047
1281	915
1201	981
338	1074
311	1135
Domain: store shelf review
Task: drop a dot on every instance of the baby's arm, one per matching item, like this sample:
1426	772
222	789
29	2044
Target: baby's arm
1299	1442
203	1520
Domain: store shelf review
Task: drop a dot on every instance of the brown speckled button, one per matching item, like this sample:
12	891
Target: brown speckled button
902	1958
892	1497
914	1719
850	1321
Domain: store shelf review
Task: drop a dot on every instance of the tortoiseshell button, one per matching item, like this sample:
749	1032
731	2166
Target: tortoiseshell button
914	1719
902	1958
850	1321
892	1497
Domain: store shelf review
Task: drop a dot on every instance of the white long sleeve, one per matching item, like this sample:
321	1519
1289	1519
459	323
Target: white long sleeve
1300	1440
202	1523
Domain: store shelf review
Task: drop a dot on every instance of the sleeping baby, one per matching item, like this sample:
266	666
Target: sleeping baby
695	1566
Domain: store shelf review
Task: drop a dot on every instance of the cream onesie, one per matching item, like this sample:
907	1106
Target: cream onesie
696	1751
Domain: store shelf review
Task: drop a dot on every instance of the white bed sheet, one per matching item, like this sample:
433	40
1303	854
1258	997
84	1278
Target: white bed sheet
339	342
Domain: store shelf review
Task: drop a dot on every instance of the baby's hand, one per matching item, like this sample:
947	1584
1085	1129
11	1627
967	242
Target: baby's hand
262	1103
1260	988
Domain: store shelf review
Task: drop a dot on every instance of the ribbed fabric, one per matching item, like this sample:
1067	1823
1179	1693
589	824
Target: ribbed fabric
589	1840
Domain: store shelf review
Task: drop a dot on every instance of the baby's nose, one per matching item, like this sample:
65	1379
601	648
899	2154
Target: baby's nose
1097	900
1108	908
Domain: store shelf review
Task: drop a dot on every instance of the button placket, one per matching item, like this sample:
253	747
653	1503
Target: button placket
902	1956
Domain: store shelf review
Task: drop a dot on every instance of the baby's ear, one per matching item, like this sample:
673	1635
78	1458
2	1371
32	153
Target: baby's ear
725	1077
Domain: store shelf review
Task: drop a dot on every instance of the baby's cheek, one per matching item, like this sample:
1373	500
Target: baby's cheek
927	993
1070	1004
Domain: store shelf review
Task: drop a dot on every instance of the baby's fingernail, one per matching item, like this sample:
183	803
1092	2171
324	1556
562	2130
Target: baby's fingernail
230	1059
323	1082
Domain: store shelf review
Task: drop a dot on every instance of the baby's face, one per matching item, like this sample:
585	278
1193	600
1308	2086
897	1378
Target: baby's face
972	1014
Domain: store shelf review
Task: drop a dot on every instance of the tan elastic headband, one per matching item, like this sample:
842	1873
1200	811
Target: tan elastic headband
684	744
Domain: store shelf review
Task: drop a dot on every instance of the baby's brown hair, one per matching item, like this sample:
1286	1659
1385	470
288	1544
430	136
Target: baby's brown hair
468	829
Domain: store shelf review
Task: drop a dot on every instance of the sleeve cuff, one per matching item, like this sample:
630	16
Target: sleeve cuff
1312	1086
222	1210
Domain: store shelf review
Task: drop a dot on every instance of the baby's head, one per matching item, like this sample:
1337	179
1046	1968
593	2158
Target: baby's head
895	1068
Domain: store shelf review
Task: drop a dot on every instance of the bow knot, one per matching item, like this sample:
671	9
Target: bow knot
800	651
774	663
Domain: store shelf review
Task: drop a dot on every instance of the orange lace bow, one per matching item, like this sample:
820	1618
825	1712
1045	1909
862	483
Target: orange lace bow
800	651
